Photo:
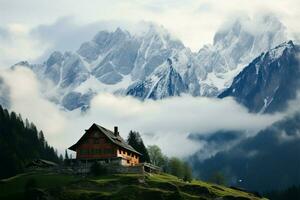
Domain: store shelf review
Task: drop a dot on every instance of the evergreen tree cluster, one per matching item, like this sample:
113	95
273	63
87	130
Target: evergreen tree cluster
289	193
20	143
135	140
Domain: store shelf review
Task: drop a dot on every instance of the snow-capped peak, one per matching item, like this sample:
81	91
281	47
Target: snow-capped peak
279	50
154	64
269	81
235	45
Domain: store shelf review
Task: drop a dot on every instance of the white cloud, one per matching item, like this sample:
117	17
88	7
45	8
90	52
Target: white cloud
26	99
65	34
194	22
166	123
17	44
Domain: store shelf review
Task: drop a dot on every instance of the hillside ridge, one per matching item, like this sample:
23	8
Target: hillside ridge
119	186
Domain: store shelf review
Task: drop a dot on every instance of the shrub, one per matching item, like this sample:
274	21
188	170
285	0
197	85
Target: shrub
97	169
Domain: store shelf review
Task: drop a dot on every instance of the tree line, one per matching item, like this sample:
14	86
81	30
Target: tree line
153	154
20	143
289	193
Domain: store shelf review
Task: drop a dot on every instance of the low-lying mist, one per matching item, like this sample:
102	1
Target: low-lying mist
166	123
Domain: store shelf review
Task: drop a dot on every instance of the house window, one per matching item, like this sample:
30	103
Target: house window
96	141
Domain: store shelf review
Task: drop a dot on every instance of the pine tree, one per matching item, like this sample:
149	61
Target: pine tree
61	158
42	138
20	143
27	125
66	155
135	140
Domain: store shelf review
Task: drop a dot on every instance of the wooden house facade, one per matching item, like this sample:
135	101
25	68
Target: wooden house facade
101	144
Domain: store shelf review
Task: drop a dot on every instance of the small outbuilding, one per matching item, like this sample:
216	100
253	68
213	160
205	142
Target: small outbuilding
41	164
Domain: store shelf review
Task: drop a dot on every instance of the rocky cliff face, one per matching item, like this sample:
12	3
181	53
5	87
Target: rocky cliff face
164	82
269	81
234	46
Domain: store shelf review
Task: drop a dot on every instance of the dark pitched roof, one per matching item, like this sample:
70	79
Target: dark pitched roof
118	140
41	163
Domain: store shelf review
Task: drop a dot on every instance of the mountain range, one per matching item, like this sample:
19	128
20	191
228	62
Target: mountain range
153	64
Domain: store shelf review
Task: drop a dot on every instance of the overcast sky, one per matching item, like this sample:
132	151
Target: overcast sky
193	22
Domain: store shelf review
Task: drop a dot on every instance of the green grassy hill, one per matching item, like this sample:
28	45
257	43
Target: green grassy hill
115	187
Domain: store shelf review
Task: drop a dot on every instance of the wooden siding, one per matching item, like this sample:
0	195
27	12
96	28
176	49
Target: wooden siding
97	146
129	158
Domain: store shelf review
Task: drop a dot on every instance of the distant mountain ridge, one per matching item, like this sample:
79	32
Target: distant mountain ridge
153	64
269	81
264	162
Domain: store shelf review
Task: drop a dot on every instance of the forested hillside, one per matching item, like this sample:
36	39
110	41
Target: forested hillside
272	154
289	193
20	142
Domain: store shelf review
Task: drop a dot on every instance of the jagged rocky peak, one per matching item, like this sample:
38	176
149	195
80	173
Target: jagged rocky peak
278	51
165	69
151	36
249	35
137	55
22	63
102	42
164	82
159	35
260	26
235	45
111	38
227	33
270	81
55	58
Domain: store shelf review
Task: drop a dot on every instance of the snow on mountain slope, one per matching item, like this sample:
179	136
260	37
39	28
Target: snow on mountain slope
269	81
60	74
164	82
236	45
113	55
139	64
110	62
